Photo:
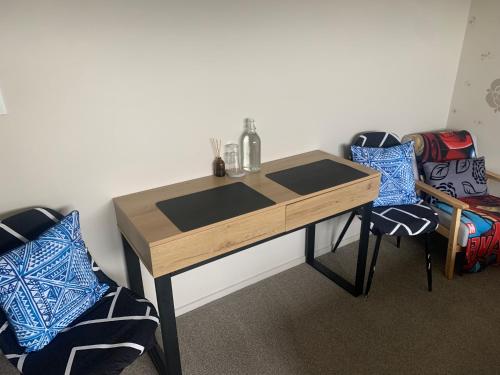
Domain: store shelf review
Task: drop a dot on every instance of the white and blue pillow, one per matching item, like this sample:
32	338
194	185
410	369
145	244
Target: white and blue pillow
48	283
397	185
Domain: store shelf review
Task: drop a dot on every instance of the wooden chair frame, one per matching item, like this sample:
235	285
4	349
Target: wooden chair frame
452	231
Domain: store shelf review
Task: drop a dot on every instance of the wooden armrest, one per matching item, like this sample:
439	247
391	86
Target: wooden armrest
442	196
493	175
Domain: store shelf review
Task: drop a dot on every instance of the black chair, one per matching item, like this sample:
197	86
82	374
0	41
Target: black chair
104	340
368	139
398	221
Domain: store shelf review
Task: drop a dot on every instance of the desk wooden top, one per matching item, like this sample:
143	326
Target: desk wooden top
148	229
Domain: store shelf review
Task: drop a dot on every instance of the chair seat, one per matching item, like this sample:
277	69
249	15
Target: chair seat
404	220
104	340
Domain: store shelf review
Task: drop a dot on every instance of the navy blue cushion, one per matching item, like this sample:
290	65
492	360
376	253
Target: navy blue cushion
47	283
397	185
404	220
104	340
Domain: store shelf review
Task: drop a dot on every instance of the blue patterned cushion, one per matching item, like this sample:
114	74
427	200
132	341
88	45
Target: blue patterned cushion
47	283
397	185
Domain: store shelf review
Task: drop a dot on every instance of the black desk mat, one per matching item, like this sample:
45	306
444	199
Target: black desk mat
206	207
320	175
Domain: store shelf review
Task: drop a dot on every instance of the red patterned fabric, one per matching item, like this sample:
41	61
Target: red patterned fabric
442	146
484	249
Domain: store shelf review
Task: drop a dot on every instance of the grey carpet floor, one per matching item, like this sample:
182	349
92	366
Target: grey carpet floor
298	322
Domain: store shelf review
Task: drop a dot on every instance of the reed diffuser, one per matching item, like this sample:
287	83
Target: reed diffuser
219	168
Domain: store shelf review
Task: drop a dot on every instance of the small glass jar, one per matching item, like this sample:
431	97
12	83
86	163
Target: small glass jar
232	160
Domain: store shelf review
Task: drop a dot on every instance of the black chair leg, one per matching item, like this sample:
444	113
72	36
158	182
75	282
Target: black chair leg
398	242
373	263
428	263
344	230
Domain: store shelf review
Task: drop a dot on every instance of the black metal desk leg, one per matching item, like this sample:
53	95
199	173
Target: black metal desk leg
135	283
168	324
310	239
363	248
133	269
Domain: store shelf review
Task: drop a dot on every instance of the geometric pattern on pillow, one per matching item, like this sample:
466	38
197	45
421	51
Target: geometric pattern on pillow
458	178
104	340
404	220
48	283
27	225
397	185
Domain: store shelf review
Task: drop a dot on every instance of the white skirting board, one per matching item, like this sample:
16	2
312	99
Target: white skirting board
183	306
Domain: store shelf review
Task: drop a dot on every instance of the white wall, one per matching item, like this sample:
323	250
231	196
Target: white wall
474	107
110	97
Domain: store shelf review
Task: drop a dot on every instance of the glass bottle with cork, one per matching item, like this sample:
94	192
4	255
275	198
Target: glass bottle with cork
250	147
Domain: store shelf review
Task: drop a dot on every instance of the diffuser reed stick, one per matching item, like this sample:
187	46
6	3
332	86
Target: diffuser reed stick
216	146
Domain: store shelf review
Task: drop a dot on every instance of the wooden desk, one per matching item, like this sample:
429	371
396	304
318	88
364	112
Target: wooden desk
149	235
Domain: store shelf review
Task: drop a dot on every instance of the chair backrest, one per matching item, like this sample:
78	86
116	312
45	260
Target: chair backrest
376	139
442	146
384	140
27	225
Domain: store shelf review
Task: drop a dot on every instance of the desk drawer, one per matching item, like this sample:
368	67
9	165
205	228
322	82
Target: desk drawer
331	203
200	246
